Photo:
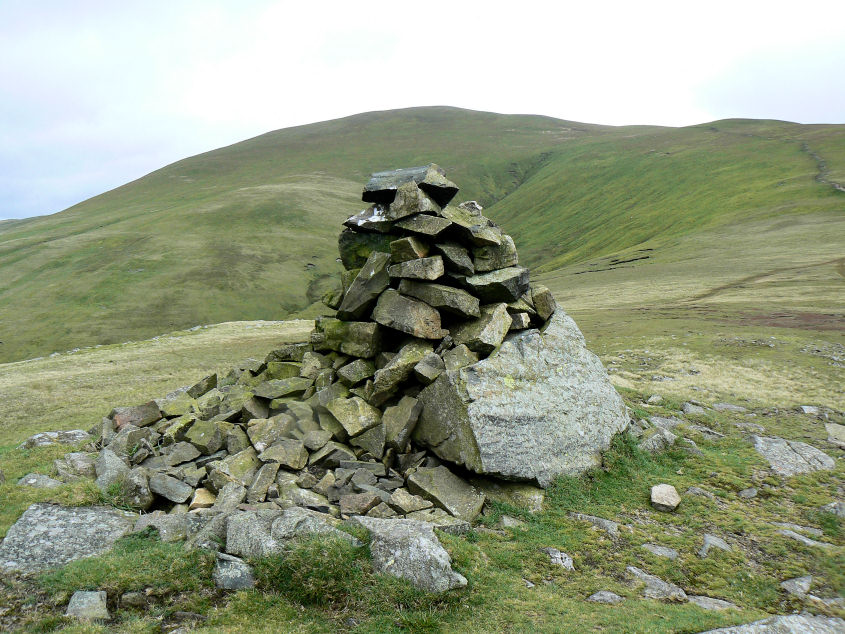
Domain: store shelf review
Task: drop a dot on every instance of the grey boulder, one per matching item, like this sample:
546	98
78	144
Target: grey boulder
409	549
789	457
88	606
539	407
788	624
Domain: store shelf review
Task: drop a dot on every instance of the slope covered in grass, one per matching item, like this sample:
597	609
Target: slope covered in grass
249	231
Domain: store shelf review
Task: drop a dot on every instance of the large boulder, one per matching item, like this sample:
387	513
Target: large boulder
539	407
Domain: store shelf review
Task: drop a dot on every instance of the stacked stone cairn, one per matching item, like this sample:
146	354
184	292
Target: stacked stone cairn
375	415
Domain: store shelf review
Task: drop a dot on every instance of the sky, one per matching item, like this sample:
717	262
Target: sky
94	94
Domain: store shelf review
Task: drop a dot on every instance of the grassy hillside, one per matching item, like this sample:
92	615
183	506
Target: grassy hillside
249	231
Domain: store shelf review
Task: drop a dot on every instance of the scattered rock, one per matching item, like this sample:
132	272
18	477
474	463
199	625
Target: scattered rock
693	490
608	526
665	498
799	586
661	551
88	606
605	596
558	558
656	588
789	457
408	549
39	481
804	540
812	410
836	507
654	399
689	408
48	535
709	603
728	407
656	440
232	573
835	434
713	541
747	494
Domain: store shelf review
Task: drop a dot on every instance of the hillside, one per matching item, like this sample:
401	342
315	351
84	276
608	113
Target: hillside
249	231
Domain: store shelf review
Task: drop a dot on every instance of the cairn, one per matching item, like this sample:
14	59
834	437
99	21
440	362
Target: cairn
377	415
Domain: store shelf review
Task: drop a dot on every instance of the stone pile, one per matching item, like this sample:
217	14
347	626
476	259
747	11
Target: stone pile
442	360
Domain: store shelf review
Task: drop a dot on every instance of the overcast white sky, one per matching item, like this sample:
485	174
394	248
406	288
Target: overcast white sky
96	93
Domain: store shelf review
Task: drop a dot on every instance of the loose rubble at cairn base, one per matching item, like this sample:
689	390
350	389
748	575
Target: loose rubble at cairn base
445	374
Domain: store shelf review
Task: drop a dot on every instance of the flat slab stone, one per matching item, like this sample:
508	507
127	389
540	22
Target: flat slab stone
790	457
789	624
504	285
605	596
656	588
47	535
47	438
408	315
447	491
709	603
540	407
382	186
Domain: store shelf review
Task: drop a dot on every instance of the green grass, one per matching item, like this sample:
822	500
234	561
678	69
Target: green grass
227	235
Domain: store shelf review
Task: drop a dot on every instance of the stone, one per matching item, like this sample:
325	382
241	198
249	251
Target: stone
266	475
316	439
485	334
331	455
203	499
729	407
664	497
355	338
39	481
229	497
239	468
558	558
441	520
520	321
709	603
542	406
263	432
110	469
749	493
423	224
232	573
657	439
836	507
799	586
518	494
543	302
430	268
459	357
661	551
812	410
405	502
410	200
181	452
382	186
356	372
281	388
608	526
446	490
712	541
789	457
358	503
835	434
128	439
140	415
656	588
605	596
169	487
399	421
398	370
47	438
787	624
689	408
503	285
287	452
804	540
47	536
442	297
493	257
76	466
408	248
472	226
297	522
456	258
654	399
374	218
170	527
354	414
88	606
205	436
409	549
130	600
429	368
356	246
372	441
248	534
370	282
